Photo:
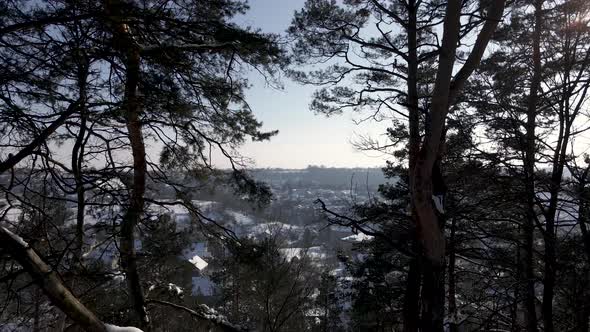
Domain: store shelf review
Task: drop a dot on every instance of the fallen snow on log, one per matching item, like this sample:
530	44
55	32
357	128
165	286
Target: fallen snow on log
174	288
115	328
216	317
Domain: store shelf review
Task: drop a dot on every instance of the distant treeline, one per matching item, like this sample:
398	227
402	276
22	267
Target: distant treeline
322	177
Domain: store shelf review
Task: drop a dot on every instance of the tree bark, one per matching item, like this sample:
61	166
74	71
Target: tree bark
78	158
528	278
567	114
582	303
429	229
583	219
453	326
130	52
411	306
433	297
411	309
135	209
429	224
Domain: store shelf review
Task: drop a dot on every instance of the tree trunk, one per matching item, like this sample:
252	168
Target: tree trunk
453	326
528	278
430	231
411	308
516	313
48	280
36	318
582	303
433	297
135	209
126	45
583	219
78	158
567	115
428	224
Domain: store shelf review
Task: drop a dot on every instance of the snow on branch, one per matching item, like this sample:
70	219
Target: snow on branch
205	313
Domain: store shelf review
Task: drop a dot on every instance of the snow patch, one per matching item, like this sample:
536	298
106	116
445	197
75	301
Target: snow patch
274	227
311	252
173	287
360	237
214	316
115	328
118	276
241	219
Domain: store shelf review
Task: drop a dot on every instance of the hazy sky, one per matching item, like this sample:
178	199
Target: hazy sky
304	138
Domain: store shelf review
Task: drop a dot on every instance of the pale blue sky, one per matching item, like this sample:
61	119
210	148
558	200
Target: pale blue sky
304	138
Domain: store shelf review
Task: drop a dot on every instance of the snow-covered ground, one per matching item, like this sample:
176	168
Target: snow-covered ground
316	253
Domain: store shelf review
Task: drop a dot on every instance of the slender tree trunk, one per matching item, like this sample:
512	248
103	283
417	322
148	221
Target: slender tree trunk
126	45
76	162
453	326
527	311
412	102
411	309
566	118
36	318
516	313
584	214
582	308
135	209
528	277
78	159
583	315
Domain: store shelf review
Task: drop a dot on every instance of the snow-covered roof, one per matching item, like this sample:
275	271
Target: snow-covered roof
273	227
241	219
198	262
360	237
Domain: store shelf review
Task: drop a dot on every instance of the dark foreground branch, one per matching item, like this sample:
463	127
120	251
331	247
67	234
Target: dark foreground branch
49	282
342	220
206	315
